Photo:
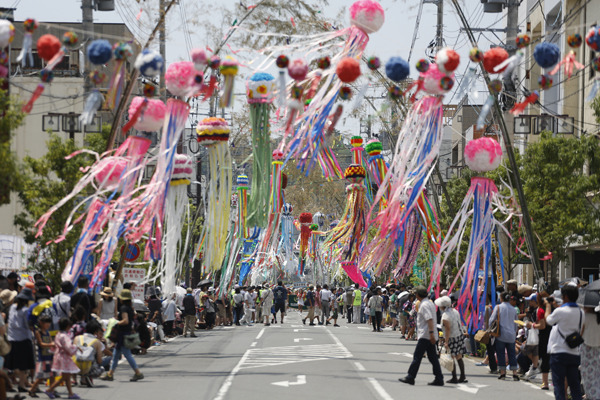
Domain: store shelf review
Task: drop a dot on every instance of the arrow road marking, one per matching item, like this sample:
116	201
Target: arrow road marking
301	380
472	390
298	340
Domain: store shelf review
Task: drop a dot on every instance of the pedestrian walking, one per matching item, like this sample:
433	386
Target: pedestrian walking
326	297
300	296
335	300
125	328
169	314
248	307
280	295
454	336
349	303
310	303
189	314
356	305
590	352
238	306
45	347
427	338
62	363
21	357
376	310
266	302
505	316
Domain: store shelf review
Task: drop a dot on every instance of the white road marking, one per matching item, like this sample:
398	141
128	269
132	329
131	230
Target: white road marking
402	354
252	344
301	380
298	340
297	326
298	330
359	366
363	327
260	333
379	389
229	380
466	388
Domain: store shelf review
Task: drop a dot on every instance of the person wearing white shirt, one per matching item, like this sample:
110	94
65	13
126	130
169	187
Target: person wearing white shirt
248	306
325	303
427	337
565	360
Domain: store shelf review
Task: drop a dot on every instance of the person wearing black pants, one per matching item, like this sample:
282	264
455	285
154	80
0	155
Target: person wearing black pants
376	307
427	338
491	353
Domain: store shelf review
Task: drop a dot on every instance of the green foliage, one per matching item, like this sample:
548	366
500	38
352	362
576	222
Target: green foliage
11	118
596	108
43	182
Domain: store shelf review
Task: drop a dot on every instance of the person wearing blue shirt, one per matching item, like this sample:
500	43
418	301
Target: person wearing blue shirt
506	314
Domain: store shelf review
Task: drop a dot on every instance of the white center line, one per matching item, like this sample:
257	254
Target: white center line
252	344
359	366
227	384
260	333
379	389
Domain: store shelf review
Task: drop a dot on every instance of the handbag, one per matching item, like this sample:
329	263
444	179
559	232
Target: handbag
533	338
132	340
574	339
482	336
446	361
494	329
5	346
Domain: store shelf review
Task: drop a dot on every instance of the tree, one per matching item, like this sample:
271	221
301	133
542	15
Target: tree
42	183
11	118
561	174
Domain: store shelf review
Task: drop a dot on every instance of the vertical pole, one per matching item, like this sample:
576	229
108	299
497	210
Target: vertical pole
531	243
439	35
162	47
87	24
512	29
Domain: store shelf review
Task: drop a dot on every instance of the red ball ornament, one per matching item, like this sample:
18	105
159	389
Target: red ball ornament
48	46
494	57
447	60
348	70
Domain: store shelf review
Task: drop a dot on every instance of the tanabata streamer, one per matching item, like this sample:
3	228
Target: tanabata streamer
357	158
259	91
351	230
286	243
481	202
122	51
177	204
304	222
30	25
48	47
377	167
214	134
229	69
416	151
242	187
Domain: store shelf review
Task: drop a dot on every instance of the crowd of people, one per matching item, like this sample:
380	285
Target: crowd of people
73	337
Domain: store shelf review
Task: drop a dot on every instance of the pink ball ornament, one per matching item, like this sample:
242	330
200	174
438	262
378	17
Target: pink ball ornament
111	173
483	154
153	117
199	58
432	81
179	78
447	60
367	15
298	69
277	155
182	170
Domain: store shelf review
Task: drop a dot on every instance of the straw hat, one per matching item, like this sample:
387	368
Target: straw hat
7	296
125	294
107	292
443	301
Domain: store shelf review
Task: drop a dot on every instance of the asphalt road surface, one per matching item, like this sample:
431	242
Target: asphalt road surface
295	361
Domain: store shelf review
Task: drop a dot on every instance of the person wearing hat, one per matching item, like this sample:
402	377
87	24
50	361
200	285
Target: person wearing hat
427	338
454	337
125	326
107	304
7	297
21	358
189	313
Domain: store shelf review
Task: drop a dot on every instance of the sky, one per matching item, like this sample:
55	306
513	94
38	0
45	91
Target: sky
394	39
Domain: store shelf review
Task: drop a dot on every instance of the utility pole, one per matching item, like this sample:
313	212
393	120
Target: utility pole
87	25
439	34
512	29
162	47
531	243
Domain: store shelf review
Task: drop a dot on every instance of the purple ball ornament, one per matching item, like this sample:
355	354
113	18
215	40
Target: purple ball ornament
282	61
546	54
46	75
545	81
373	63
395	92
422	65
324	62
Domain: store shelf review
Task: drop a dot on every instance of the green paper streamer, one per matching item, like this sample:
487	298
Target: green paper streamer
258	205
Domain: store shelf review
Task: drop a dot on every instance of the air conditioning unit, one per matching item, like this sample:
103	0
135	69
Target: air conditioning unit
105	5
493	6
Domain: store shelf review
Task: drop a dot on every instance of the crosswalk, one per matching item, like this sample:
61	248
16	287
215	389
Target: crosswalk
273	356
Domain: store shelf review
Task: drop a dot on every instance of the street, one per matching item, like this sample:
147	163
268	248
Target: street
294	361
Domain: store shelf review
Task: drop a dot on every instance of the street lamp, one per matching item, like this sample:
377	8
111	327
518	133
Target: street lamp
565	125
95	126
522	125
544	122
51	122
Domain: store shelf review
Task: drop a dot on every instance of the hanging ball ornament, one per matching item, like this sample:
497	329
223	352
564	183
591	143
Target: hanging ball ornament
348	70
99	52
422	65
154	115
494	57
447	60
495	87
355	173
7	33
367	15
592	38
446	83
483	154
546	54
149	89
476	55
545	81
282	61
48	46
30	25
199	58
324	62
214	62
150	63
434	82
122	51
596	63
522	40
97	77
46	75
179	78
373	63
345	93
395	92
397	69
70	39
298	69
574	40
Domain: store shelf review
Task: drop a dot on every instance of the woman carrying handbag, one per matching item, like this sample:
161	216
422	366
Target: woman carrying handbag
454	337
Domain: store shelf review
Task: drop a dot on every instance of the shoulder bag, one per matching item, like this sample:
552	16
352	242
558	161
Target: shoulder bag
574	339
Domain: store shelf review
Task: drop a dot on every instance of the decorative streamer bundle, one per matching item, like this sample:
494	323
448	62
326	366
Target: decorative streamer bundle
175	210
416	151
357	158
214	134
481	201
99	52
122	51
286	243
304	222
259	91
48	46
242	187
377	167
229	69
351	230
30	25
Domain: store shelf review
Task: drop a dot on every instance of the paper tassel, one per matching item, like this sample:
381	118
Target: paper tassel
351	268
484	112
34	96
519	108
115	87
569	62
510	64
93	102
26	54
467	83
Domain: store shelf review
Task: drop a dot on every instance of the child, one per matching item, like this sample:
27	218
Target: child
43	366
63	362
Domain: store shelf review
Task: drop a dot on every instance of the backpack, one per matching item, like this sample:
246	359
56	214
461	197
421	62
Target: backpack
86	351
278	294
